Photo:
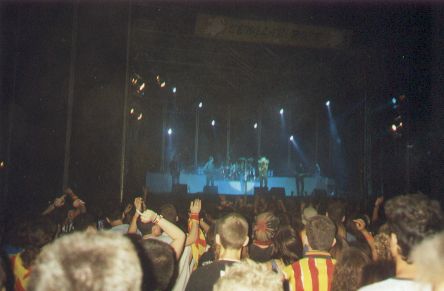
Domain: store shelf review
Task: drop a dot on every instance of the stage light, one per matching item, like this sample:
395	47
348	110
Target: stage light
394	128
291	138
140	116
174	90
281	112
170	131
394	101
255	125
162	84
327	103
200	104
142	87
2	164
132	111
213	122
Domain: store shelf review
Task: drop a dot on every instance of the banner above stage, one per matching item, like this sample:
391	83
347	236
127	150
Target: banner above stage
278	33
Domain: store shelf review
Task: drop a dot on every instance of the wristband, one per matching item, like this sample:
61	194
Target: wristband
194	216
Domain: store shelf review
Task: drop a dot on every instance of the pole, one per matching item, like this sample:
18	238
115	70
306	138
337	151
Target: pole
164	121
317	137
259	132
125	106
71	82
196	139
228	133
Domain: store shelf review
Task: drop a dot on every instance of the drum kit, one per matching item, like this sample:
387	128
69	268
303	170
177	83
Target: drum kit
243	169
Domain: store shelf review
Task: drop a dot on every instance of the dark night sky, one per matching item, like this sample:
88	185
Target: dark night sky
390	54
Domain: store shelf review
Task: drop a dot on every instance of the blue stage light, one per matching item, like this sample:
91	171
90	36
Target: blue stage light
174	89
394	100
281	112
200	105
327	103
255	125
170	131
291	138
213	122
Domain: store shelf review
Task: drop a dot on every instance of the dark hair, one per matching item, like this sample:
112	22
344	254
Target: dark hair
83	221
348	270
287	245
377	271
114	214
40	232
336	211
6	274
412	218
145	228
163	258
169	212
233	230
320	232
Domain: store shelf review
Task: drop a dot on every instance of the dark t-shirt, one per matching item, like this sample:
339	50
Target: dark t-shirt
258	254
207	258
205	277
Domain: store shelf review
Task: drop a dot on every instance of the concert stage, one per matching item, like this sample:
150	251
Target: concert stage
161	183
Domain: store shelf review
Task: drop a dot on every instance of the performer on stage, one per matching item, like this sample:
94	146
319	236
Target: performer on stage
174	170
262	164
300	175
209	171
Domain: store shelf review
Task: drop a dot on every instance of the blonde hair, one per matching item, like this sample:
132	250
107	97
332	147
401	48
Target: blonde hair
428	258
86	261
249	275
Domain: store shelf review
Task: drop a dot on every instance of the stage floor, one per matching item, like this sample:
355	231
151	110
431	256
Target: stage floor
161	183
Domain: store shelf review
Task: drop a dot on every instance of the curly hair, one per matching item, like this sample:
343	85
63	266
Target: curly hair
348	270
412	218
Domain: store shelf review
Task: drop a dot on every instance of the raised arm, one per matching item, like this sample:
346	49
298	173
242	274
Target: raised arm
138	202
172	230
195	208
378	203
58	202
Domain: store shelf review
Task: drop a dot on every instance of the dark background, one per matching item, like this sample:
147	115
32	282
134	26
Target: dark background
394	50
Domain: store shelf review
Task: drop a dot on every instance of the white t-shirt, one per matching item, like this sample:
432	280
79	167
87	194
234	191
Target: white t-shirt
396	284
185	264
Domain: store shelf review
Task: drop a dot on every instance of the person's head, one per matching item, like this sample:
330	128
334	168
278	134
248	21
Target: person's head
86	261
249	276
348	270
377	271
148	228
163	258
6	274
308	213
411	218
114	216
169	212
232	232
40	232
428	258
287	245
336	211
265	227
85	222
320	231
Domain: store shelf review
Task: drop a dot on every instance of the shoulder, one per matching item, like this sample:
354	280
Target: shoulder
396	285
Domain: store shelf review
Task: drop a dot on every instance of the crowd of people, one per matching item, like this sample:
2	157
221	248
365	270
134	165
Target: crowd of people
262	242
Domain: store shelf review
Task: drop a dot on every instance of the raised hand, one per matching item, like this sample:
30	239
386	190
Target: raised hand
59	202
148	216
195	206
379	201
138	203
360	224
